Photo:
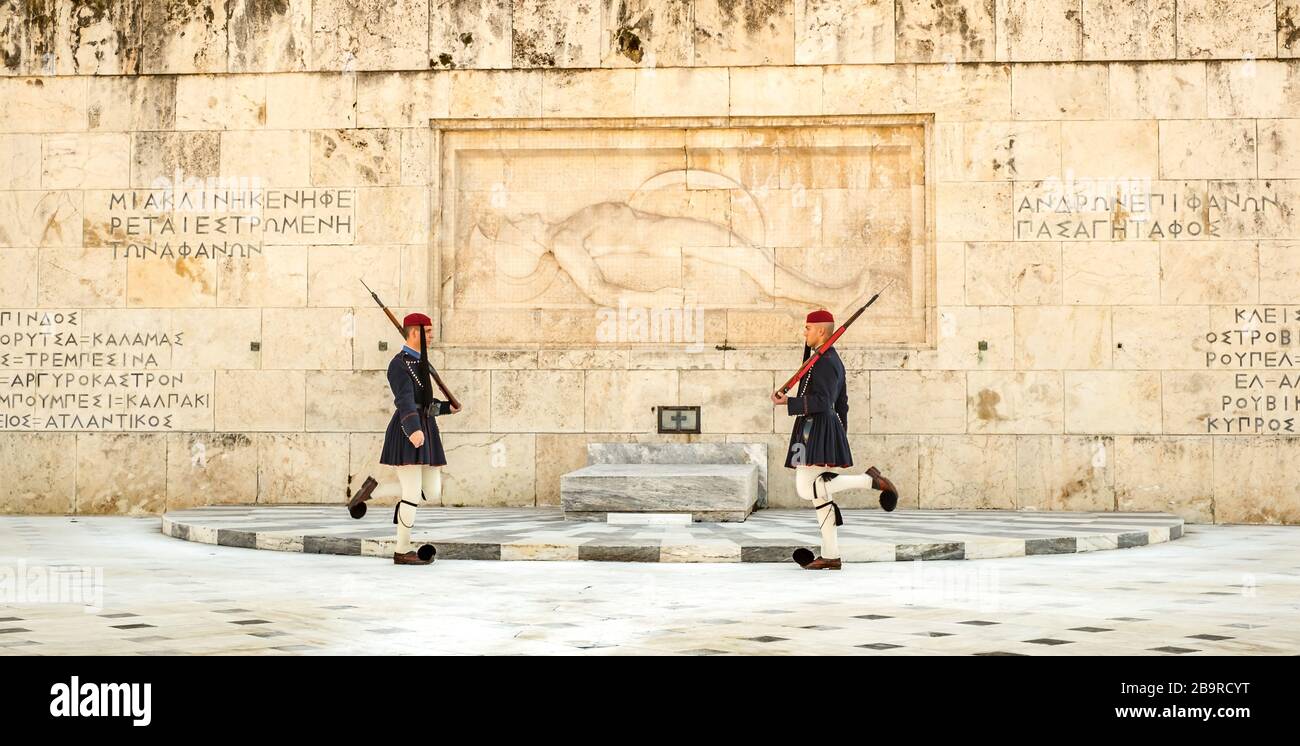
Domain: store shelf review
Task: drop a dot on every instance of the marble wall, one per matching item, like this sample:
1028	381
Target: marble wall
1104	275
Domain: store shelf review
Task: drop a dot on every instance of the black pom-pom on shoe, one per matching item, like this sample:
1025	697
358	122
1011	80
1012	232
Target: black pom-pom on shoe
888	501
803	557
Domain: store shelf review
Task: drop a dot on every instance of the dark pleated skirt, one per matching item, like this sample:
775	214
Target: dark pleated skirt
827	444
398	450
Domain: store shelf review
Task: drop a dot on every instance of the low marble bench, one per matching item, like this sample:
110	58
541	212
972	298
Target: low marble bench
708	492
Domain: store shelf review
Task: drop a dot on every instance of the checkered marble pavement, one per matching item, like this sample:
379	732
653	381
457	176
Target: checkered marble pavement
768	535
1217	590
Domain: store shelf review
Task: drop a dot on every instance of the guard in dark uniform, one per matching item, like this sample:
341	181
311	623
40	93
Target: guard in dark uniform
819	441
411	442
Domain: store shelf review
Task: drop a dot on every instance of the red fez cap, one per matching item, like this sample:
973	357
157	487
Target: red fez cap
819	316
416	319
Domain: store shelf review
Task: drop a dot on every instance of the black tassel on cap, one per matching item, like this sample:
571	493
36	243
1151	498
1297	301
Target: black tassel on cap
424	397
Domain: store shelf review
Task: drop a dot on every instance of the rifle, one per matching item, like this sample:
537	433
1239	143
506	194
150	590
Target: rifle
827	345
437	380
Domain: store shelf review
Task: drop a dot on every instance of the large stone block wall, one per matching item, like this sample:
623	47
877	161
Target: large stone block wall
1106	351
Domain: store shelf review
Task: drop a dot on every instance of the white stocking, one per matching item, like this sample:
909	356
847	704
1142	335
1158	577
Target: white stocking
431	478
805	482
409	477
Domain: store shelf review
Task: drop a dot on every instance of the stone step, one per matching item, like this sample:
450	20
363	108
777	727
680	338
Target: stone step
647	519
718	492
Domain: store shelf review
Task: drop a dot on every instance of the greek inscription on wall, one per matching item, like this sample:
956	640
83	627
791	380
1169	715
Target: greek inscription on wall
1258	369
1143	210
57	374
217	223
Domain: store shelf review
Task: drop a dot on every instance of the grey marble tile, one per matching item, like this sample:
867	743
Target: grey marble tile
948	550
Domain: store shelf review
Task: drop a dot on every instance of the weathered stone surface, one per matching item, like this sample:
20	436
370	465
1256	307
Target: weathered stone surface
470	34
356	157
949	31
352	35
767	91
843	31
302	467
1288	28
184	36
529	401
974	212
708	491
260	400
1279	148
347	401
121	473
1209	272
88	277
967	472
918	402
1128	29
996	151
310	100
1015	402
14	38
681	92
39	480
1251	88
1131	151
490	470
18	286
210	469
71	38
279	158
966	92
852	89
1041	346
1104	401
1059	91
1013	274
646	33
216	339
20	156
1251	482
122	104
1279	271
744	32
1200	149
43	104
269	37
685	453
971	338
729	401
275	277
1101	273
402	99
622	400
556	34
1155	90
307	338
1164	337
220	102
1039	30
1065	473
1226	29
1173	475
166	159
